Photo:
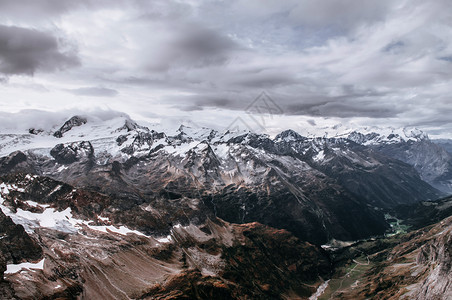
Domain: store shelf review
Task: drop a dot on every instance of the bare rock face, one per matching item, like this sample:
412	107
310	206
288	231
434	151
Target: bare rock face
7	163
15	244
70	153
437	255
6	290
142	140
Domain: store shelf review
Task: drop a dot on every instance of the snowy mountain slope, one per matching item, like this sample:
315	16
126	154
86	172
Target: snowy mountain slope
430	159
305	185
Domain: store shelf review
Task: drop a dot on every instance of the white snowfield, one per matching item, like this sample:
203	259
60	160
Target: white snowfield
14	268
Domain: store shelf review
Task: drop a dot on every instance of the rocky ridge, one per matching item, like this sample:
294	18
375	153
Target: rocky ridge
319	189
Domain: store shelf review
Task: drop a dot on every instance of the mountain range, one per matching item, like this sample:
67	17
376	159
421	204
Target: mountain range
114	209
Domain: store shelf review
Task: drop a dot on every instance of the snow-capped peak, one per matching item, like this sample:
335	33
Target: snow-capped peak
389	135
288	136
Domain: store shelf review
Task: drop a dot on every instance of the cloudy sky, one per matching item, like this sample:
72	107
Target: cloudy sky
322	62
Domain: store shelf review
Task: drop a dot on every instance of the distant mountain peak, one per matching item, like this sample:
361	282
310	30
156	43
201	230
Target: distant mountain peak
289	135
389	135
69	124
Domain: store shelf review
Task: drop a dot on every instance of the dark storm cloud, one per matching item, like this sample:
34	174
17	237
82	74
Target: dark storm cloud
192	46
202	43
94	91
26	51
266	79
351	104
199	102
345	109
446	58
311	122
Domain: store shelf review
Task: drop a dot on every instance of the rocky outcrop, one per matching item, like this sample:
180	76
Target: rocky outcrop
142	141
15	244
437	255
6	290
8	163
69	124
72	152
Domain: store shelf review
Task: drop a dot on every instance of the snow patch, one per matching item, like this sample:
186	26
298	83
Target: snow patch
62	168
58	220
167	239
320	156
111	228
14	268
105	219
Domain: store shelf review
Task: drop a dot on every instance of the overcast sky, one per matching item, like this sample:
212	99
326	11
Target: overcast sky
323	62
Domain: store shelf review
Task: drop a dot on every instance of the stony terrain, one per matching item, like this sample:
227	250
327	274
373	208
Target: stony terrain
85	255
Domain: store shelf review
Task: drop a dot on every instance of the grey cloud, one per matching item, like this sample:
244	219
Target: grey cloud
192	46
199	102
41	10
446	58
345	14
350	105
198	42
189	108
266	79
94	91
36	8
373	59
311	122
394	47
34	118
350	108
26	51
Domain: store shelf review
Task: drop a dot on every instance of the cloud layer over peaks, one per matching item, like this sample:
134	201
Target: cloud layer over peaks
368	62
